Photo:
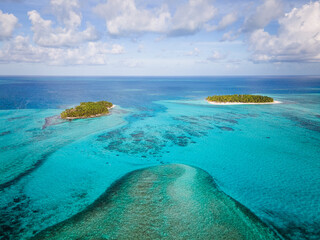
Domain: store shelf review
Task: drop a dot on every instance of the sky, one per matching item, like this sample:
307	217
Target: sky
159	38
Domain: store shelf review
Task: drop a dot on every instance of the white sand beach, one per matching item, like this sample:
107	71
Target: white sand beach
239	103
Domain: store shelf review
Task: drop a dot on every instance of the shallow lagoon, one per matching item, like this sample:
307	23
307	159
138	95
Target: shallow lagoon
264	156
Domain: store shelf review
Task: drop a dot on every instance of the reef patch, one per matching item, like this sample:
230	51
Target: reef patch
172	201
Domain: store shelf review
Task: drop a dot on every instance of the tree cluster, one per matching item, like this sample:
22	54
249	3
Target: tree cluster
244	98
87	109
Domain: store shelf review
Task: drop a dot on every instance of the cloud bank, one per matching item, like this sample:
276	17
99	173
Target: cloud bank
123	17
64	38
298	38
65	44
92	53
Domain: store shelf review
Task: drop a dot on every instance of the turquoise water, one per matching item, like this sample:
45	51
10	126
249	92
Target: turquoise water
264	156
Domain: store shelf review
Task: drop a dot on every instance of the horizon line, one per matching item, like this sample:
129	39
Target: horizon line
240	75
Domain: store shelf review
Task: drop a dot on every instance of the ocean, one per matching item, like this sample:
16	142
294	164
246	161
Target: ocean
266	157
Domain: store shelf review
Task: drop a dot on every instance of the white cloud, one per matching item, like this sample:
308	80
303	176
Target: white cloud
20	50
226	21
64	44
68	35
298	39
8	23
229	36
117	49
131	63
264	14
216	56
67	12
124	17
91	53
191	17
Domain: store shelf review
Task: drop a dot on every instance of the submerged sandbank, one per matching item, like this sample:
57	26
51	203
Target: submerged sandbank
164	202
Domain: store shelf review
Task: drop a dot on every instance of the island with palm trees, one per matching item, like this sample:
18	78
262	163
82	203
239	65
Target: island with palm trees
87	110
240	99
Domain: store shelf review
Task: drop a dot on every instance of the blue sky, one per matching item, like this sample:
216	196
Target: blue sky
177	37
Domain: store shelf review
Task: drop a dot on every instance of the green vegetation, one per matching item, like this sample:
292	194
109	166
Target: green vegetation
240	98
87	109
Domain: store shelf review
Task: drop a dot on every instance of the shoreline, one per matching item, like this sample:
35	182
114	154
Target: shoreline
240	103
92	116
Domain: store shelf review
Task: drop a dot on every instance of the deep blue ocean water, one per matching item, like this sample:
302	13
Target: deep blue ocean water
264	156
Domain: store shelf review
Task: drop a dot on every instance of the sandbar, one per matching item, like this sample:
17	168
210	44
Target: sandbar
174	201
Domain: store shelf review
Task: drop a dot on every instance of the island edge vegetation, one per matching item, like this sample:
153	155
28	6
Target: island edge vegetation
87	110
239	98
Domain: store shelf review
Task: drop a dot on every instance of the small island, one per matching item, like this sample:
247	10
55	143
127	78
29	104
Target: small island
240	99
87	110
